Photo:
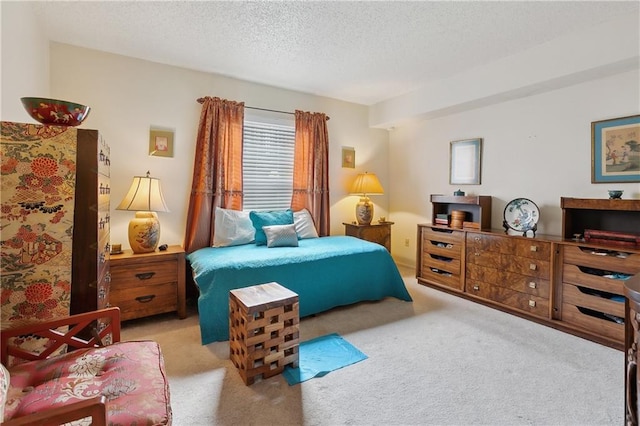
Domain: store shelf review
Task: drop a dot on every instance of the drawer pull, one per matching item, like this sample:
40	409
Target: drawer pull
532	284
476	238
145	275
534	248
146	299
532	303
533	266
476	287
476	253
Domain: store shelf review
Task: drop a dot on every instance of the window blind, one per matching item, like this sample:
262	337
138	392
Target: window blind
267	165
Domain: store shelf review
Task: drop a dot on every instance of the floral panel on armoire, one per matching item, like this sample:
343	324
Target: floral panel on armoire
36	221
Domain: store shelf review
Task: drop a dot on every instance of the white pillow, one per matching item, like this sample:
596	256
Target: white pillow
304	224
232	228
281	235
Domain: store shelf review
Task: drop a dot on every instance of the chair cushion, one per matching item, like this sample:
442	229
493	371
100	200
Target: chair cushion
4	389
129	374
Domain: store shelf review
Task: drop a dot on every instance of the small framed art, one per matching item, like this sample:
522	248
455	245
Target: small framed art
348	157
465	166
161	143
615	150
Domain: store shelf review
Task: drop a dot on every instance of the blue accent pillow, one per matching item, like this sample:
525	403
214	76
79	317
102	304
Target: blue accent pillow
275	217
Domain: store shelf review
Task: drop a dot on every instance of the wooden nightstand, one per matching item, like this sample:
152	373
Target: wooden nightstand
375	232
148	283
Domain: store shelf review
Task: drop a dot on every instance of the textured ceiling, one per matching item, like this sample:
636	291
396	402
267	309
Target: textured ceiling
363	52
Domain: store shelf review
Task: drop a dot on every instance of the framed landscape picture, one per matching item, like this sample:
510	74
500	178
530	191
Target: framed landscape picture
615	150
465	165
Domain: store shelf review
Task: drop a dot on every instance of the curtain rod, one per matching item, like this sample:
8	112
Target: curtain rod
201	100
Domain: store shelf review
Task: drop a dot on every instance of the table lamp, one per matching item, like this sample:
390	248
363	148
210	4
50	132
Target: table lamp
366	184
145	198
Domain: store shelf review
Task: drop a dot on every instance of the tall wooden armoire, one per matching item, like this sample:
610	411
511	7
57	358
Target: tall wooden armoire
54	222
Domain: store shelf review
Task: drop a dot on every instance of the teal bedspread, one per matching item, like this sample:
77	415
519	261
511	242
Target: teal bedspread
325	272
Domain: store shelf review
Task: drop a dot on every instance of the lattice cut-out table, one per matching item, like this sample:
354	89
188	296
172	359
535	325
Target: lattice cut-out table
263	330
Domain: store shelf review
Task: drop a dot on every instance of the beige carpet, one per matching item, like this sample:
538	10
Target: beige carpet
439	360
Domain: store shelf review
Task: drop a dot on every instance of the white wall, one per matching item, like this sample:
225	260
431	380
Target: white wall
597	51
537	147
128	96
25	60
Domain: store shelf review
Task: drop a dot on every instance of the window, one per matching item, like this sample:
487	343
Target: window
267	165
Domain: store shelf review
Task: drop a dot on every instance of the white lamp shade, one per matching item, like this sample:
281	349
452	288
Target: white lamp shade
367	184
145	194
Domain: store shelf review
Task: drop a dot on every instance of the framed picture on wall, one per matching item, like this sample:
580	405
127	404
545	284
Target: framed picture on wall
615	150
348	157
161	143
465	162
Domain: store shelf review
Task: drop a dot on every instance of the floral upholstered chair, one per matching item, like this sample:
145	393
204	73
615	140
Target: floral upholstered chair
122	383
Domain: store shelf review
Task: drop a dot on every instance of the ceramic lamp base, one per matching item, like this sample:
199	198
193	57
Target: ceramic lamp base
364	211
144	232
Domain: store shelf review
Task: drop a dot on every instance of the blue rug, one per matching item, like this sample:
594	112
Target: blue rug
320	356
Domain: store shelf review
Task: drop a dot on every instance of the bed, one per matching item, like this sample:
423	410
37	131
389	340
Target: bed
325	272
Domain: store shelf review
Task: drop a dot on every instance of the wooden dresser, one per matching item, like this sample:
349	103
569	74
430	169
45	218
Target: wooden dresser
566	282
148	283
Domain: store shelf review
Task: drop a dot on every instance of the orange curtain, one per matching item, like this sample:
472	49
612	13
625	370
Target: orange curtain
311	168
217	170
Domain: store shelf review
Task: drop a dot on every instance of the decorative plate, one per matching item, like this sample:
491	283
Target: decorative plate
521	214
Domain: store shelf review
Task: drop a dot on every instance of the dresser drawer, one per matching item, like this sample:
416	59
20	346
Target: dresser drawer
488	259
593	278
611	260
533	249
534	305
440	248
592	322
127	275
441	277
446	264
518	282
526	266
606	303
137	301
442	236
486	242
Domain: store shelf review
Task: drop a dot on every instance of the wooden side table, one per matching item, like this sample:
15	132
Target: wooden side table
263	330
375	232
148	283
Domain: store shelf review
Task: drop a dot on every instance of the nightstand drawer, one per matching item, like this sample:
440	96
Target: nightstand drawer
143	274
149	283
143	300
